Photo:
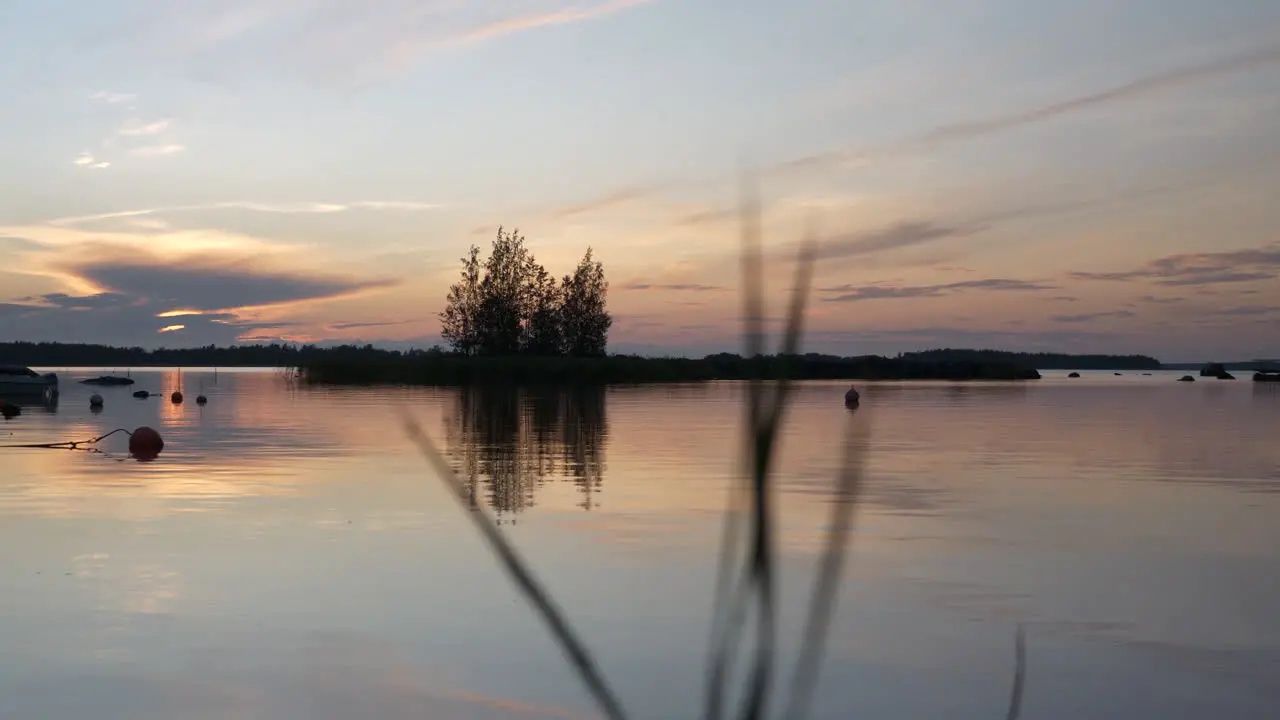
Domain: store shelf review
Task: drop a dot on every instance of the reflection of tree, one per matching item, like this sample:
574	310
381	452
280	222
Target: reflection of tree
506	441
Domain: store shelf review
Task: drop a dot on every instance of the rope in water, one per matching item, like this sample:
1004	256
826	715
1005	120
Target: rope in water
70	444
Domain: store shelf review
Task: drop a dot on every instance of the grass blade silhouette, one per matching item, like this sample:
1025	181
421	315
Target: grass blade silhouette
730	601
764	412
1019	675
826	584
522	576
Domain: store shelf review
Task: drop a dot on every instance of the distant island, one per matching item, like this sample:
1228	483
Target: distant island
1245	365
1040	361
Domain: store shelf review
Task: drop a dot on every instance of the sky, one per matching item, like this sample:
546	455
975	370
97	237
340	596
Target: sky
1084	176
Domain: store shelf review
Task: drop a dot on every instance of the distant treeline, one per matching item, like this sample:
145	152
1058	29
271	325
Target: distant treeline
438	368
1246	365
1040	361
84	355
368	364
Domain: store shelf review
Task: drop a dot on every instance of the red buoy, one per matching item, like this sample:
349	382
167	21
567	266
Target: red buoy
176	397
145	444
9	411
852	398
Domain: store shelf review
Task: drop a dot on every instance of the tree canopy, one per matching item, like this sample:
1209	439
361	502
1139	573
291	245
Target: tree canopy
509	304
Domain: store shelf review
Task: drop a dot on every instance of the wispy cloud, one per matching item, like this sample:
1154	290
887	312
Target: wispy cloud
349	42
851	293
87	160
675	287
1119	93
355	325
394	205
1248	310
562	16
415	38
152	150
1088	317
113	98
1194	269
704	217
980	127
136	129
613	199
900	235
303	208
171	328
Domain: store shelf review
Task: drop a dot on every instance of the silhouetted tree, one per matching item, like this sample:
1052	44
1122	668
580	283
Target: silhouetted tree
504	295
586	321
544	333
510	304
459	320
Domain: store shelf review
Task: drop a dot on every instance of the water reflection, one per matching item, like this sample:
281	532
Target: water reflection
45	402
1117	516
507	441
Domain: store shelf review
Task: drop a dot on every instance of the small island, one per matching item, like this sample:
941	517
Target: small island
508	320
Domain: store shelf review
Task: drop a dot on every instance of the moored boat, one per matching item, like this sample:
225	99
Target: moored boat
16	379
108	380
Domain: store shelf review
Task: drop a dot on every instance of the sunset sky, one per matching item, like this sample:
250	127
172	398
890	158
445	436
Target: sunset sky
1084	176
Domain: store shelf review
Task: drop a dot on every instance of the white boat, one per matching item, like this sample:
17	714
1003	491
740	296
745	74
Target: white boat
16	379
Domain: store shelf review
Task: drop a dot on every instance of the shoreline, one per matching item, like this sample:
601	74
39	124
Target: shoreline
451	370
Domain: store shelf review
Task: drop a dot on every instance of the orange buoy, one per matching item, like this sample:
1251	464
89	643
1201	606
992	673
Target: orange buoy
176	397
145	444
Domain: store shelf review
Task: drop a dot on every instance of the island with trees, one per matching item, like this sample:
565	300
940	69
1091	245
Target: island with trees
508	320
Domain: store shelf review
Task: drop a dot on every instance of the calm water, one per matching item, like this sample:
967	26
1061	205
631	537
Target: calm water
290	556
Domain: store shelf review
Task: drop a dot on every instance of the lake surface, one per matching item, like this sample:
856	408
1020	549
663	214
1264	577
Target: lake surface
290	555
